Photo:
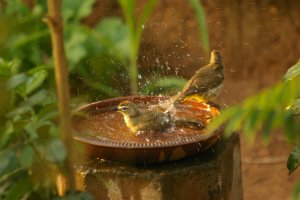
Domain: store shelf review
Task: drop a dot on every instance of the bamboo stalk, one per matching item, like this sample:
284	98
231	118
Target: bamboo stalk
55	23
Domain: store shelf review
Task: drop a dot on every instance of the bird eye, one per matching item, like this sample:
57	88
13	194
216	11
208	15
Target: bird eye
124	108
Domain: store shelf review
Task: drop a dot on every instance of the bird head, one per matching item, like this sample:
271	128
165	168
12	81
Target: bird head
215	57
128	108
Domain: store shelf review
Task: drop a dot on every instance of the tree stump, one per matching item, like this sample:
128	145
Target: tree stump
213	175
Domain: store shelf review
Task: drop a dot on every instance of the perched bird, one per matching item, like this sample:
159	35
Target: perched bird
152	120
206	83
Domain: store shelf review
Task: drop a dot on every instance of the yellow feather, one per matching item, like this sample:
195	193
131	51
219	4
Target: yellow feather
194	97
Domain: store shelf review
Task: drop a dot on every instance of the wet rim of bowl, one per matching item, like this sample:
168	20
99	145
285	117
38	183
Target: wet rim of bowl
133	145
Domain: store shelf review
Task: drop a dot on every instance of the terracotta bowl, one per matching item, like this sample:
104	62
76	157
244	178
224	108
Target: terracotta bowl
133	151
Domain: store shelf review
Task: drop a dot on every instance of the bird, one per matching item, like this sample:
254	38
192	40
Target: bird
206	84
138	120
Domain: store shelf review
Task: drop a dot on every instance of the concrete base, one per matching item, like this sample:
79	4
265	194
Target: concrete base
213	175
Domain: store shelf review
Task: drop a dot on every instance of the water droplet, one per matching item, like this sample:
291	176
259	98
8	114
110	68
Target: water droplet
139	76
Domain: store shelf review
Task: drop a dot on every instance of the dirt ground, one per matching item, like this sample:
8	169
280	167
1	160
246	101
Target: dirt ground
265	175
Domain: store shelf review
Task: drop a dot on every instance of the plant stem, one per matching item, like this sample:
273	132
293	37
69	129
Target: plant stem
133	71
54	21
202	23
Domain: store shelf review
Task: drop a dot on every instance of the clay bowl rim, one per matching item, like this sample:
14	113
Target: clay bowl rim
133	145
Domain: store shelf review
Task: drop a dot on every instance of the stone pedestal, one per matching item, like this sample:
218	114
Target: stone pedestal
212	175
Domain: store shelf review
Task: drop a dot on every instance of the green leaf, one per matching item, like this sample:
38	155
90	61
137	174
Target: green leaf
85	8
16	80
112	35
289	126
235	122
19	189
269	123
252	123
225	116
4	68
294	159
26	156
28	39
31	129
295	107
35	81
76	45
168	84
4	160
37	98
292	72
75	10
55	151
76	196
296	192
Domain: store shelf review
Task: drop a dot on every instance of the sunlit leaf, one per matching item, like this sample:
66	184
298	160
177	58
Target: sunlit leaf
35	81
85	8
252	123
294	159
223	120
76	9
235	122
269	123
4	68
295	107
292	72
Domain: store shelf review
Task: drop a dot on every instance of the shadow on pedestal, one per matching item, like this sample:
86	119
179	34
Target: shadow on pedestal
213	175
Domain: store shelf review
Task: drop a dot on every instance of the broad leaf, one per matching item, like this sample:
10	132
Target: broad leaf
35	81
16	80
55	151
26	156
292	72
19	189
295	107
294	159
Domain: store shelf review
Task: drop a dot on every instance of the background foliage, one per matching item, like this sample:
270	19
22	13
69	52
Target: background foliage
102	64
275	107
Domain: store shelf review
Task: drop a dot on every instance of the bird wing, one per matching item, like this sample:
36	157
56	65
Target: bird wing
201	83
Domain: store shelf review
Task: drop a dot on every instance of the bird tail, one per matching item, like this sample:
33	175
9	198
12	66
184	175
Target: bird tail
189	123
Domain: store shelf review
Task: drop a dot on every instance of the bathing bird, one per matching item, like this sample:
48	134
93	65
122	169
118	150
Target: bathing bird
206	84
152	120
